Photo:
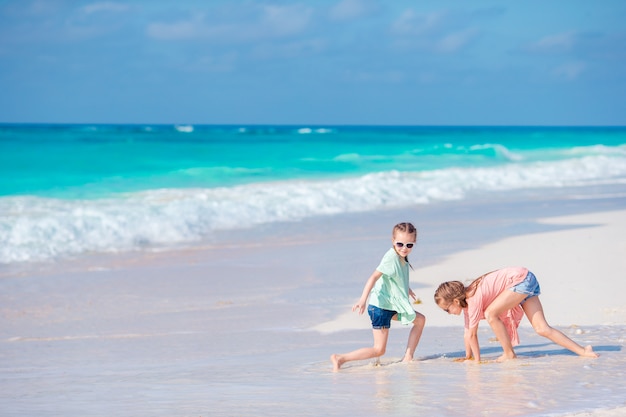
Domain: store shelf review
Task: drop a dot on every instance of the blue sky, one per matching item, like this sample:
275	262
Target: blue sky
324	62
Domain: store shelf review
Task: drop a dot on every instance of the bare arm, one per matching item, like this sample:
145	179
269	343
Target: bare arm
468	348
471	344
360	305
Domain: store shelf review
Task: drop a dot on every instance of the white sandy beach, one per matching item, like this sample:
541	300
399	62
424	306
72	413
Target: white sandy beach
581	272
246	328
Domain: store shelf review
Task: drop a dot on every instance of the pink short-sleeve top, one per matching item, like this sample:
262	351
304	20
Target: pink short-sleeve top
492	285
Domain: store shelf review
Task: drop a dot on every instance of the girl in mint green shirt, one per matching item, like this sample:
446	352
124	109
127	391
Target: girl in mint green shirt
388	291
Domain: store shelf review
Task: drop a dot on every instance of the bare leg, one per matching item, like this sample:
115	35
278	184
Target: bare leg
534	311
414	336
503	302
380	345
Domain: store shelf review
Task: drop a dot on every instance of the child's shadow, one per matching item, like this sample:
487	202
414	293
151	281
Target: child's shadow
519	350
460	354
523	351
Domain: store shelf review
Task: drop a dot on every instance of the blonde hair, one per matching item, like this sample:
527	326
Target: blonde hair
450	291
404	227
456	290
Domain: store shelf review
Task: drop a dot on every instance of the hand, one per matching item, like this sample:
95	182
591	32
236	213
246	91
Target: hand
360	307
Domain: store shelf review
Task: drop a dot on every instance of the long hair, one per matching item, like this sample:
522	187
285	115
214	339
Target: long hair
450	291
405	228
456	290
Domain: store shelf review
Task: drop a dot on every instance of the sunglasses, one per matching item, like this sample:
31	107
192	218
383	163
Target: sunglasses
408	245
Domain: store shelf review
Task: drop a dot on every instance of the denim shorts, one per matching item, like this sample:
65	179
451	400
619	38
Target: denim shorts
381	318
529	286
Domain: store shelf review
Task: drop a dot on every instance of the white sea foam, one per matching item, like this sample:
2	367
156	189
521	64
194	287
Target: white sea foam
308	130
34	228
184	128
500	150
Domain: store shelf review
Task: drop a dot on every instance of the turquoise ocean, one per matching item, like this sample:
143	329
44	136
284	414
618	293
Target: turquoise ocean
70	190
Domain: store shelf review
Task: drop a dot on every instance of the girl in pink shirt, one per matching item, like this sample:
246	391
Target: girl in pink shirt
501	297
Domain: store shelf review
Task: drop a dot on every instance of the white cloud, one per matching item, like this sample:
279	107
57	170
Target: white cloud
439	32
286	20
348	9
268	50
107	6
267	22
42	7
571	70
184	29
560	41
411	23
455	41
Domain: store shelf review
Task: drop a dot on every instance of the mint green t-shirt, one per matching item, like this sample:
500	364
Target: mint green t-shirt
391	291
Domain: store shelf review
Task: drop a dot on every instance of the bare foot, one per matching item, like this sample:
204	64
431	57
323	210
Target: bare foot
407	359
337	361
506	357
589	353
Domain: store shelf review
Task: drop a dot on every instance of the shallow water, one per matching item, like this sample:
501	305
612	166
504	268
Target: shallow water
286	373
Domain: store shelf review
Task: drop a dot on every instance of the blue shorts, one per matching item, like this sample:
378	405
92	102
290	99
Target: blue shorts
529	286
381	318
